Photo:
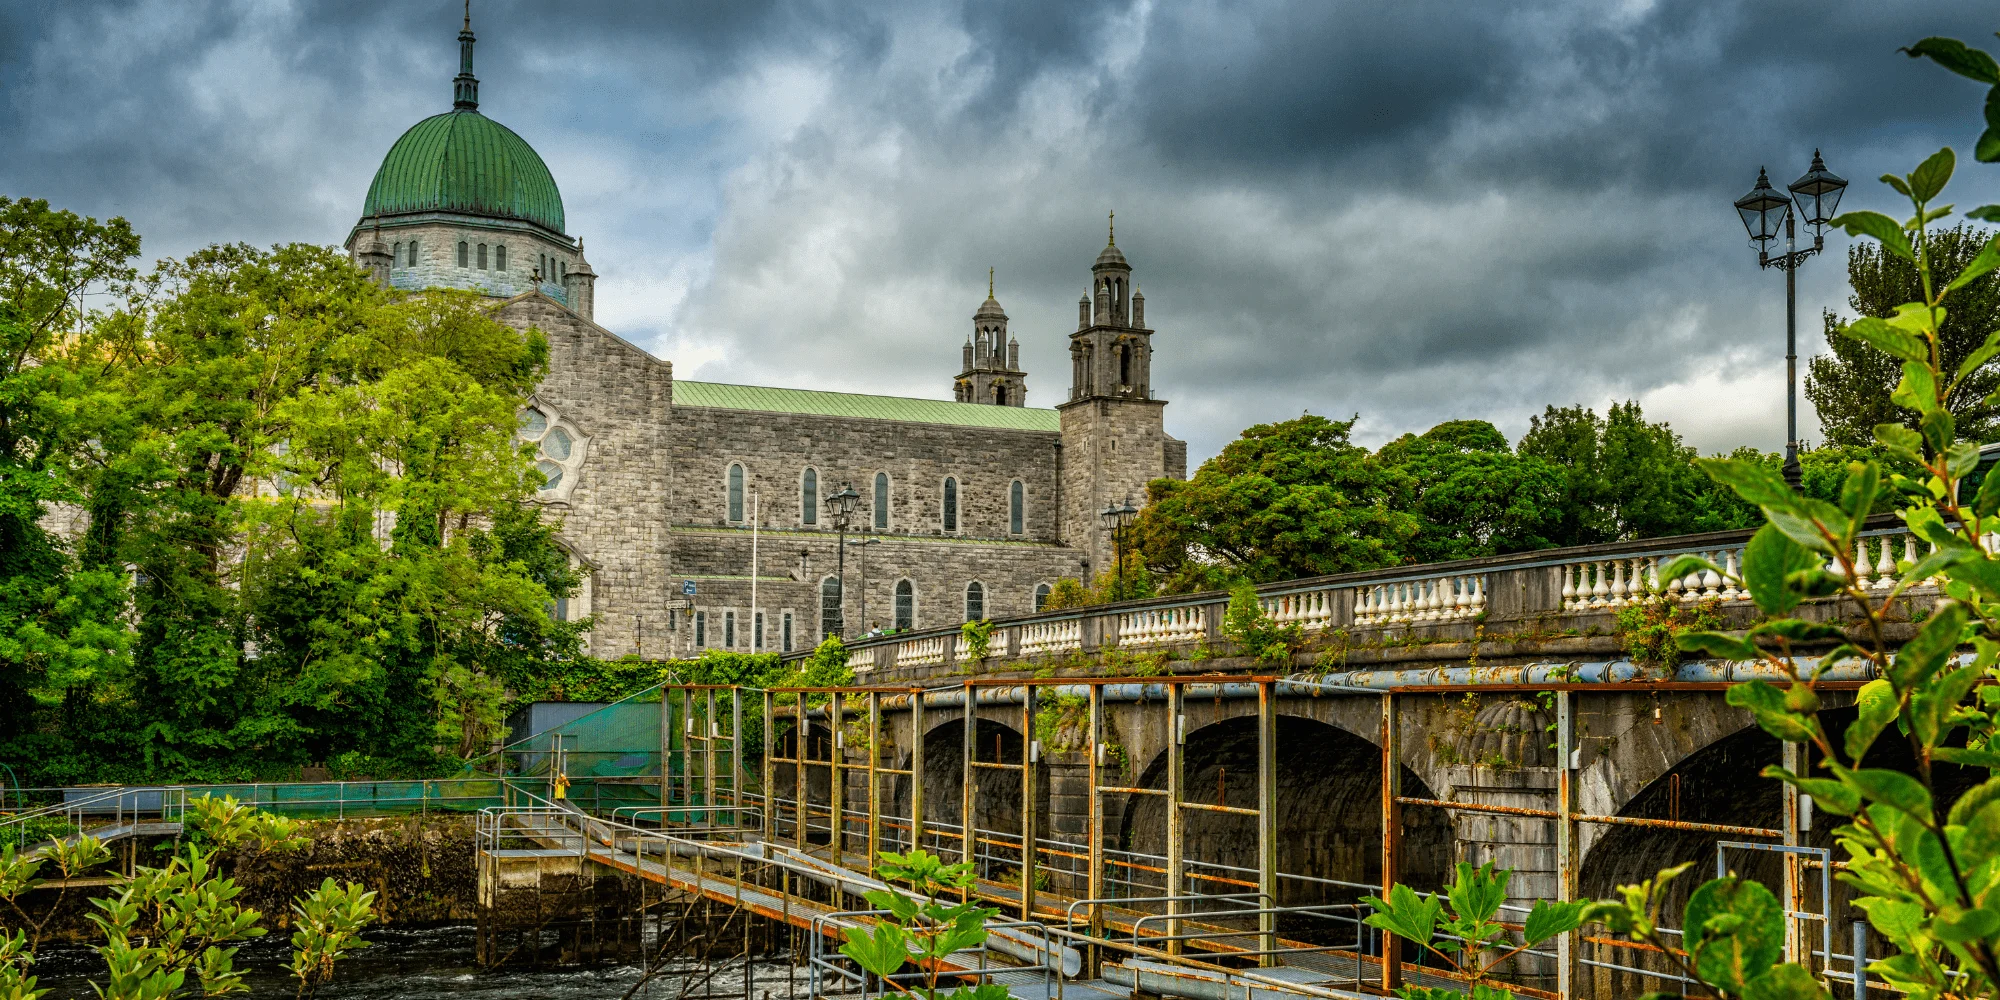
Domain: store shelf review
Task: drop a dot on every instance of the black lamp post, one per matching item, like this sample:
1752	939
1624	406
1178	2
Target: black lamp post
1114	518
840	506
1763	209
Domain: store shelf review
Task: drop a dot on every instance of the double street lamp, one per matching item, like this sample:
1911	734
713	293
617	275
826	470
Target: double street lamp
1763	211
1114	518
840	507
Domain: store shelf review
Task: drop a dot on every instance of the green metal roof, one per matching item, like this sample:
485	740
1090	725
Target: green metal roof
849	404
463	161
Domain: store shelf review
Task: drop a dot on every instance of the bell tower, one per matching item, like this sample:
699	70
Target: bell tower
992	373
1113	431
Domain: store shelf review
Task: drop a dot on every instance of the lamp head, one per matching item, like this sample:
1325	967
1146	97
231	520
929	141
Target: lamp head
1818	193
1763	209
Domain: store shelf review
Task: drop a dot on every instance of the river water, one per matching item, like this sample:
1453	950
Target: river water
437	964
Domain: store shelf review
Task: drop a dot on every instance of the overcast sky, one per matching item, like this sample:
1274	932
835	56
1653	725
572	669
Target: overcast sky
1411	211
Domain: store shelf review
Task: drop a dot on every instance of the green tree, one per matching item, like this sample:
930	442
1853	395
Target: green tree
1851	386
1626	477
1290	499
1473	495
59	629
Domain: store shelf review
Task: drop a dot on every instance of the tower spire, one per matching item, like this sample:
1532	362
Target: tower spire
465	86
989	282
1113	223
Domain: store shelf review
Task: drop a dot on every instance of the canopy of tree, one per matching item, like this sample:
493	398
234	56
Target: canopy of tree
1299	498
300	523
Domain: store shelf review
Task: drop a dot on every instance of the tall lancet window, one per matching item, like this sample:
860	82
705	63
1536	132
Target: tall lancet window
950	504
809	497
881	501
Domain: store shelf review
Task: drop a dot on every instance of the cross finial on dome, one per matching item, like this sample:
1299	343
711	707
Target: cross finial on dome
1113	222
989	282
468	15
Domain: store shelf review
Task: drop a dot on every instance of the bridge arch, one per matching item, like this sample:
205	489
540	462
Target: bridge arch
818	746
997	793
1329	810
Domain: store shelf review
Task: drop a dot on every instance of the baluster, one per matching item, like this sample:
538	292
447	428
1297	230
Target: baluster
1730	574
1569	587
1653	576
1434	599
1601	589
1461	599
1711	581
1618	590
1642	589
1674	584
1478	594
1864	567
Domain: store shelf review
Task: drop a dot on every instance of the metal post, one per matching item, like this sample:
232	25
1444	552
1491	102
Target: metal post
874	792
1792	260
801	742
770	768
739	775
1392	834
1030	752
708	798
916	770
1568	946
666	751
1796	947
967	787
1176	823
1267	820
1860	960
1094	881
840	521
836	785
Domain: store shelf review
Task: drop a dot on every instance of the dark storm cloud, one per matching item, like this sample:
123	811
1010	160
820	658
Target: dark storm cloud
1414	211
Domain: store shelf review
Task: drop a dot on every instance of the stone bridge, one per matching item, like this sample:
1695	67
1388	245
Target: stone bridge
1483	710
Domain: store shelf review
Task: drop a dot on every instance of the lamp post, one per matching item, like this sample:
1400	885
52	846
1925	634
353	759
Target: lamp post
840	506
861	552
1818	194
1114	518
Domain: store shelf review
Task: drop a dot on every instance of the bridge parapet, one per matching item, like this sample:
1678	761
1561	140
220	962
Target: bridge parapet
1551	604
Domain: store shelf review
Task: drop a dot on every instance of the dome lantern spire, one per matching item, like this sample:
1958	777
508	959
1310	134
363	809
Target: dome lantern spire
465	86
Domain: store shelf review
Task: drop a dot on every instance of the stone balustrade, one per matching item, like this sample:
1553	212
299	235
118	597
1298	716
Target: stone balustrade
862	659
1609	583
1429	599
1051	637
1156	626
1311	609
928	651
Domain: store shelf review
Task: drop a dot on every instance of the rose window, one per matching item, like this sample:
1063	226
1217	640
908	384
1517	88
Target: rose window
558	449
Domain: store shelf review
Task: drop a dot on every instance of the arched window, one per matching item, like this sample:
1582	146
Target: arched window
729	630
500	257
999	395
906	604
881	501
975	601
562	269
413	253
829	607
1017	503
950	504
701	628
482	256
396	260
464	254
1124	365
1041	595
809	497
735	492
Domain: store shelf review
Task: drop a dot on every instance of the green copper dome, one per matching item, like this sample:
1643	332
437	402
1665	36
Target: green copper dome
464	162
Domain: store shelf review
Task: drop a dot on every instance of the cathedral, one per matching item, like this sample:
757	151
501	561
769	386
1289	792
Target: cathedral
699	512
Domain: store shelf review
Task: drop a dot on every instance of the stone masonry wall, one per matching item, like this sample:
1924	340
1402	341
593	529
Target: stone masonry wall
437	255
615	518
1111	449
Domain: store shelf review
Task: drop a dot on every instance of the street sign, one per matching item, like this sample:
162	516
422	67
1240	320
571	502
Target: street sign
687	588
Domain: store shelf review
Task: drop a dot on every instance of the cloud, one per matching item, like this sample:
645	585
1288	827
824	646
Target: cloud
1414	212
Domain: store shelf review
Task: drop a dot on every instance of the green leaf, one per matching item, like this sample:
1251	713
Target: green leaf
1476	894
1917	390
1901	441
1881	227
1958	57
1785	982
883	952
1927	650
1717	644
1985	213
1975	798
1938	428
1930	177
1859	490
1683	565
1969	757
1987	149
1767	703
1936	702
1988	259
1795	630
1550	918
1877	333
1735	931
1894	789
1805	528
1751	481
1875	708
1770	557
1405	914
1828	793
1972	925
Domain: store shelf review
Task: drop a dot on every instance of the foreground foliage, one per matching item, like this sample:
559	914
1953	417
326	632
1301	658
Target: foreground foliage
922	928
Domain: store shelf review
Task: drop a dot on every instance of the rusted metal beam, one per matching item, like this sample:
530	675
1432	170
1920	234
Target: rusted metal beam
1392	834
836	786
1267	819
916	773
1176	822
1030	809
1094	827
770	767
968	788
1568	950
874	790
